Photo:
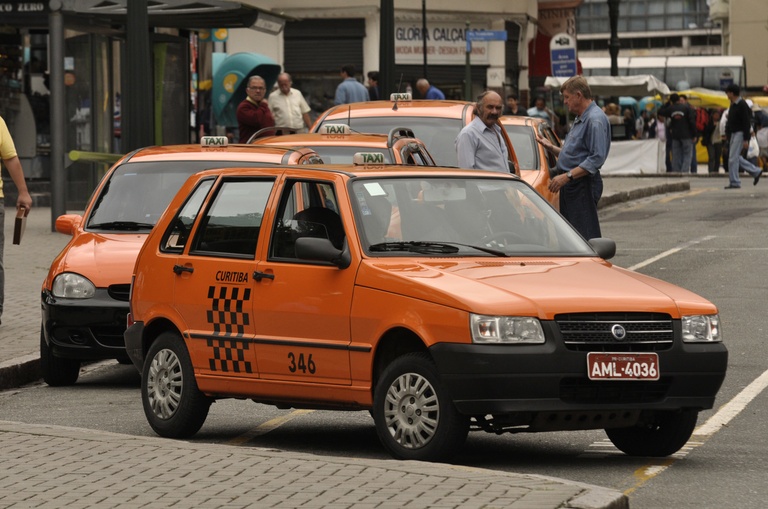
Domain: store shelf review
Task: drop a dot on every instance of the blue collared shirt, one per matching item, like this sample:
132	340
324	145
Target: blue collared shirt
588	142
351	91
480	147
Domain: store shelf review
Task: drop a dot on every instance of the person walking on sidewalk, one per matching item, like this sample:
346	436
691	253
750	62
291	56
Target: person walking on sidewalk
737	128
682	130
581	156
350	90
24	201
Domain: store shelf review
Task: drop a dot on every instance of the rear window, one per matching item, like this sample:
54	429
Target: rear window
438	134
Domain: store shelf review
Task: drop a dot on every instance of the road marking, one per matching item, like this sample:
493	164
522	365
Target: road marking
268	426
683	196
670	252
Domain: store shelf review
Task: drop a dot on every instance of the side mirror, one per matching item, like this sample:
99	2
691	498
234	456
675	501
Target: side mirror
68	223
322	250
605	248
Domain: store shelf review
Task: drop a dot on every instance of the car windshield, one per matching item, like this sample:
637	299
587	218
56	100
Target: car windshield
438	134
524	142
441	216
136	194
345	155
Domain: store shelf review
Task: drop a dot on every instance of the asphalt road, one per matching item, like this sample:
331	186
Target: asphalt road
709	240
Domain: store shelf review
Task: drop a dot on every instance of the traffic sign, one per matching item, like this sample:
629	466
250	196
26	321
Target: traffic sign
562	49
486	35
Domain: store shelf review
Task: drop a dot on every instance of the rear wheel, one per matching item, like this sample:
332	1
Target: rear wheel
415	419
57	372
666	434
174	406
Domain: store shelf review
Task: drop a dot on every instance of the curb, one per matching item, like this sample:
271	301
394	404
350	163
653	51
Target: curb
20	371
643	192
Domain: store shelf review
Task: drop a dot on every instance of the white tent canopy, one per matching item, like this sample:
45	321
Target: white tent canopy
614	86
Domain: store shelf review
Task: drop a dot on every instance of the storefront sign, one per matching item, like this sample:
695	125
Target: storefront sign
446	44
23	7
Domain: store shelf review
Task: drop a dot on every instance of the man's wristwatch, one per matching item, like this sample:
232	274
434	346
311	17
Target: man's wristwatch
569	175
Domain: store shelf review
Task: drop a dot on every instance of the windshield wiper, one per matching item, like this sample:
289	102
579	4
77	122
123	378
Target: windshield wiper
122	225
431	247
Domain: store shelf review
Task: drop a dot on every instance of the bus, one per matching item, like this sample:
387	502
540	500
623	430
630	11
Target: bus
679	72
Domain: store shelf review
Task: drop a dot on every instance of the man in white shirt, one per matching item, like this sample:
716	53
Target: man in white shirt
288	105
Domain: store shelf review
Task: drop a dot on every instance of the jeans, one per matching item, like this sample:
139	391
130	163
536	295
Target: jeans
681	155
736	161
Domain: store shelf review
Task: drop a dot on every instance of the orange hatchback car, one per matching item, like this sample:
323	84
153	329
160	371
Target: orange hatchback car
441	300
338	144
85	295
436	123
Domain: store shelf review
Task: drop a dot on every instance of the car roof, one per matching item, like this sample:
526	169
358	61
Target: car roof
363	140
374	170
415	107
235	152
520	120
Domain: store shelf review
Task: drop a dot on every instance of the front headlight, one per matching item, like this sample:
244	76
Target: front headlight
505	329
701	329
73	286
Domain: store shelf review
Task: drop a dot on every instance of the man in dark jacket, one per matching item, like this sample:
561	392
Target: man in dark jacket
682	131
737	129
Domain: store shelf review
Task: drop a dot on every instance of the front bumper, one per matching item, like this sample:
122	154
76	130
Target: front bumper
513	379
85	329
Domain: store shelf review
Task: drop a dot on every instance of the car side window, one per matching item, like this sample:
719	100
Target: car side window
307	209
231	225
178	234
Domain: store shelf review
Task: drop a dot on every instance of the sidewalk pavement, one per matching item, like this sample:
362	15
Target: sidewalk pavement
66	467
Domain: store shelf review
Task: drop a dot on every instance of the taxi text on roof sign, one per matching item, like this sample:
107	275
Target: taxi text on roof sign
335	129
403	96
214	141
368	158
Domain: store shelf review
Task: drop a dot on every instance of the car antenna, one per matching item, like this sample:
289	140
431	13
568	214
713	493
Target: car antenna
349	115
394	106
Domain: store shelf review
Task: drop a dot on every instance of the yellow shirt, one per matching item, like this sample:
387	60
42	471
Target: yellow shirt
7	148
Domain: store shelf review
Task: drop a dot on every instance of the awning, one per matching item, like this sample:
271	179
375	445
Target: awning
614	86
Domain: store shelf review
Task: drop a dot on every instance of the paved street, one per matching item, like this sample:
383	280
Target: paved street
56	466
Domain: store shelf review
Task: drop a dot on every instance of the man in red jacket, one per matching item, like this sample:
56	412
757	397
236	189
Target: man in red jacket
254	113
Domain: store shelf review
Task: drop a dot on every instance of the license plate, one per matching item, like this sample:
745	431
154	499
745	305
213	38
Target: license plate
622	366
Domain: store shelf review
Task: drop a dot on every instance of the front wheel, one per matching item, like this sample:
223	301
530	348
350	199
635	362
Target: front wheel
174	406
415	419
56	371
665	434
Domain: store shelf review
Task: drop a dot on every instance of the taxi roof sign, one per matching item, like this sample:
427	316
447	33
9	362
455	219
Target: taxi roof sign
368	158
335	129
214	141
401	96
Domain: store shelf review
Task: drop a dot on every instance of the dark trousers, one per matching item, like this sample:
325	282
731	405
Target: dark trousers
715	153
668	152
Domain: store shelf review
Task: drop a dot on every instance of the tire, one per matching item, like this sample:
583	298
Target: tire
665	435
56	371
174	406
415	419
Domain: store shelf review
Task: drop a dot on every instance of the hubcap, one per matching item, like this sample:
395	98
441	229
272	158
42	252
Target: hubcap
164	384
411	411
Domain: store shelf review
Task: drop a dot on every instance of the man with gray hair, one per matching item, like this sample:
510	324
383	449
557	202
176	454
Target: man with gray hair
288	105
580	158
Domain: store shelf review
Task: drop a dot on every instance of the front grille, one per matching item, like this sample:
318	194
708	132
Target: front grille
592	331
119	292
109	335
585	391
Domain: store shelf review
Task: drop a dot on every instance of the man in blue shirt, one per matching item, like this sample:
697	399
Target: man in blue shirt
480	145
429	91
350	90
581	156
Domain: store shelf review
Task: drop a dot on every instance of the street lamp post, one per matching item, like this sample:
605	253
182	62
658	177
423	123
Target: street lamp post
613	44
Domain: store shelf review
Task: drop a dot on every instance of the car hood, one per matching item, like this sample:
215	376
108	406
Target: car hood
105	259
530	287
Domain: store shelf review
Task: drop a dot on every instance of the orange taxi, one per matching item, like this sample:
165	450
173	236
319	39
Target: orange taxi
339	144
536	164
85	294
436	123
479	308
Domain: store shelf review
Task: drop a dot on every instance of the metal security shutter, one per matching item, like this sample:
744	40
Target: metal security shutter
511	58
323	46
448	78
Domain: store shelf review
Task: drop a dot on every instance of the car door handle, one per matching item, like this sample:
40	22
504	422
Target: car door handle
178	269
258	276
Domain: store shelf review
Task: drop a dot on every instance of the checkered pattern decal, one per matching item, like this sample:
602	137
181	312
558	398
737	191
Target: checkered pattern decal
226	313
229	320
229	355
